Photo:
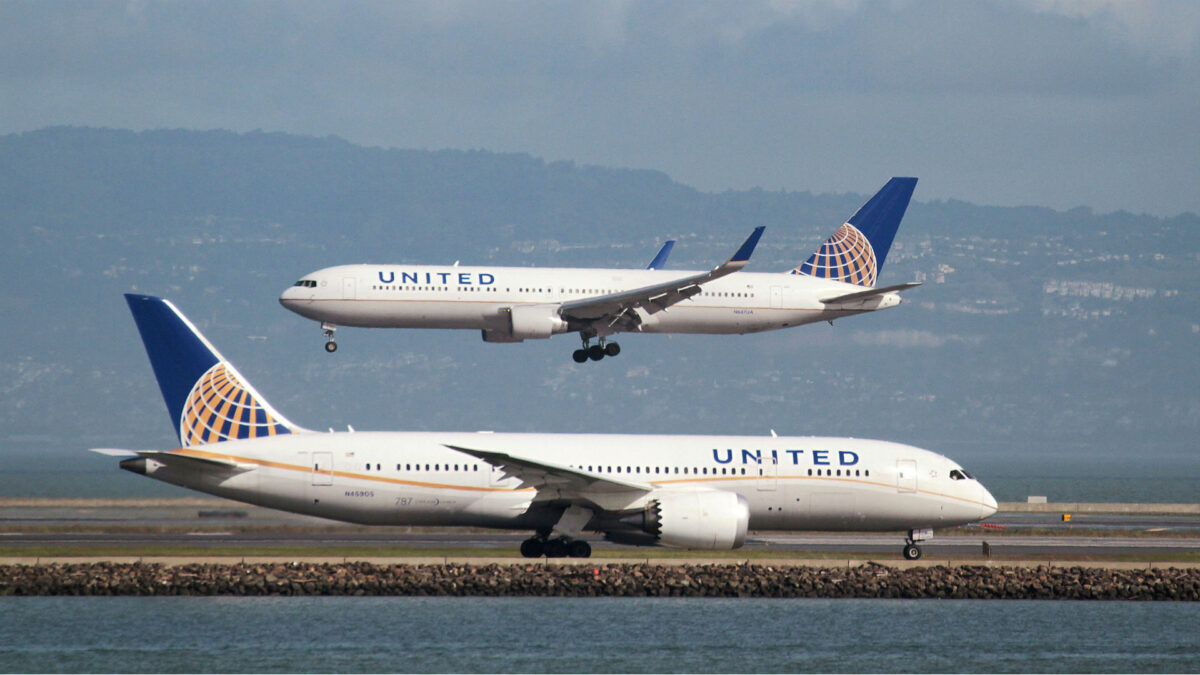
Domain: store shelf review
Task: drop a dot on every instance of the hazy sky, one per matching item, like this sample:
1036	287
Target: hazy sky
1040	102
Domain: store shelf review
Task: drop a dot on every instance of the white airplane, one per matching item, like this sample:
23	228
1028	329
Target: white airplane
514	304
698	492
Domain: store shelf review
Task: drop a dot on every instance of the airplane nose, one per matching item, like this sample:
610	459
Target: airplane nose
988	505
290	296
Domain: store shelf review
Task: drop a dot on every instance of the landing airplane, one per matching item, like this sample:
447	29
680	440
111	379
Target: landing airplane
514	304
696	492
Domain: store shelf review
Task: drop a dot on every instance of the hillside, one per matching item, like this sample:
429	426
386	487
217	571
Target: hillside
1036	329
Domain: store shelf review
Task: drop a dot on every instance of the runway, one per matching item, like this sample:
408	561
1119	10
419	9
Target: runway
128	527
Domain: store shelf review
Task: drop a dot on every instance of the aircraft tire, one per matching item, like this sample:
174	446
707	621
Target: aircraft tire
331	346
579	549
555	548
532	548
580	355
912	552
595	352
612	349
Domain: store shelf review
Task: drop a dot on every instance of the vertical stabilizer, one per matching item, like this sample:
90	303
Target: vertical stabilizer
855	253
209	401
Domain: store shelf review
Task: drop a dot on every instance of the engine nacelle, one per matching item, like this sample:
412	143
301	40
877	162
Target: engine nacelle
534	322
700	520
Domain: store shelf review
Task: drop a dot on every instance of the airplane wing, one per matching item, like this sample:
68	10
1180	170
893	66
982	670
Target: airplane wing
869	293
654	299
548	477
661	259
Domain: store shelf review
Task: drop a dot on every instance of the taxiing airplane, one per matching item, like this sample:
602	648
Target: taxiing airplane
697	492
514	304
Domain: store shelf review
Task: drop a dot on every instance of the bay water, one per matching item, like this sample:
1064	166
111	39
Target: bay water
337	634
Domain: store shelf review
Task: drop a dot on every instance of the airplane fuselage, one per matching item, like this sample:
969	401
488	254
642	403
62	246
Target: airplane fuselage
416	296
413	478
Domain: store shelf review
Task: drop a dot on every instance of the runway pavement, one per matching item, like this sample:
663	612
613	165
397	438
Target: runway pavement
217	525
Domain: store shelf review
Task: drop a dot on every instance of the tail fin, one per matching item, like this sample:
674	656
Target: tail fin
855	253
209	401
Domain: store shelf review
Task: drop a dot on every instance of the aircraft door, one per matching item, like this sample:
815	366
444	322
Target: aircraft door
349	288
776	297
322	468
768	472
906	475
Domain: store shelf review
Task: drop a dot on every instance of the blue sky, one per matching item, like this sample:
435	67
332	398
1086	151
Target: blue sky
1032	102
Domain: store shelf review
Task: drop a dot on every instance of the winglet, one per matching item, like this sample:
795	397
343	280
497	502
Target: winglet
661	258
743	254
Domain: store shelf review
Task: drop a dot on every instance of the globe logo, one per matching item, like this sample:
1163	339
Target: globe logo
846	256
219	408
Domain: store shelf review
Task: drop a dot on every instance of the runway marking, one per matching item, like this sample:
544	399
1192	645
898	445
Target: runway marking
210	534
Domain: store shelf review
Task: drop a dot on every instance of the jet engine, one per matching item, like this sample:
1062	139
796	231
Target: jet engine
700	520
534	322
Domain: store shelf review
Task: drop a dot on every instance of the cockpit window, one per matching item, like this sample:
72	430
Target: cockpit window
959	474
306	283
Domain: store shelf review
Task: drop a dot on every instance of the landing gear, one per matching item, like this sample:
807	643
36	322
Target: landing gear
595	352
911	550
330	345
559	547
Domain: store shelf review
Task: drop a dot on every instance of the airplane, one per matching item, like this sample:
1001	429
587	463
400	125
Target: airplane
691	492
514	304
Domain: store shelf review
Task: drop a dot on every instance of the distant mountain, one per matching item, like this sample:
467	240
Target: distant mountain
1035	329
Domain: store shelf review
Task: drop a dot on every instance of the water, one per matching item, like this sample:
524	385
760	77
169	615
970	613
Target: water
593	635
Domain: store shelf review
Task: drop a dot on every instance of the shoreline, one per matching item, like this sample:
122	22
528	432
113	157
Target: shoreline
611	579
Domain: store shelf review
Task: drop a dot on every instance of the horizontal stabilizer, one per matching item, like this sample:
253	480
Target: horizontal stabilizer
114	452
863	295
180	460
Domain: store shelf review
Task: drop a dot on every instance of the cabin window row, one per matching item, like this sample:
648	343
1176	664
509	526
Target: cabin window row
461	289
428	467
657	470
838	472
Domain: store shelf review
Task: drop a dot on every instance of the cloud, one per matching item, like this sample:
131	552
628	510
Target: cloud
1037	102
909	339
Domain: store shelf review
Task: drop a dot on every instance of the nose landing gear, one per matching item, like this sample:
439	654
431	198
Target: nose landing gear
911	550
330	344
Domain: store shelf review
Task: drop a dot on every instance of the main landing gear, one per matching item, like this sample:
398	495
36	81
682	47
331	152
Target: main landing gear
330	345
595	352
559	547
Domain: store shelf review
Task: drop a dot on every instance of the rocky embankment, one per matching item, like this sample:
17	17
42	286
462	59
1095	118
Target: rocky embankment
619	580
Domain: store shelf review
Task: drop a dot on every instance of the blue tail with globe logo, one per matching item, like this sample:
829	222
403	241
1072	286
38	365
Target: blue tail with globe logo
855	253
209	401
